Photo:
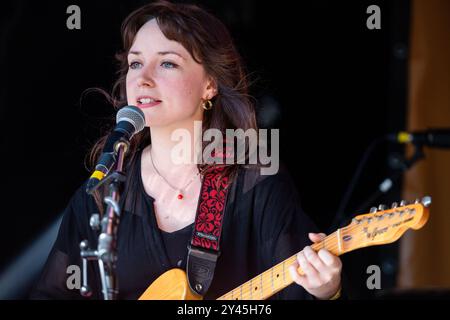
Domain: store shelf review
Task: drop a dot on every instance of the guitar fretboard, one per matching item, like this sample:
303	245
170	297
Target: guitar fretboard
278	277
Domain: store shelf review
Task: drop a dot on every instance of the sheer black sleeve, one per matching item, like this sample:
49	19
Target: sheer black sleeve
55	281
284	227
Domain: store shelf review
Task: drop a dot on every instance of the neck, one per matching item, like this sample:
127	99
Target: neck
173	152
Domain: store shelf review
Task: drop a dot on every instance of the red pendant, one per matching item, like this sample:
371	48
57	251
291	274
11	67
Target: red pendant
180	196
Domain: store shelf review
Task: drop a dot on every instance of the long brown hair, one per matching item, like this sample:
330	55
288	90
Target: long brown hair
208	41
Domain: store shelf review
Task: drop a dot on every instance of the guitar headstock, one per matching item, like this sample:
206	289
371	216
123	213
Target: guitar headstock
382	226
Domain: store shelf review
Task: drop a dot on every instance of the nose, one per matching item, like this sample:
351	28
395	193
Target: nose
145	79
146	82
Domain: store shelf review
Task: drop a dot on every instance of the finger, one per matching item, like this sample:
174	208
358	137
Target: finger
316	237
313	258
329	259
297	277
308	268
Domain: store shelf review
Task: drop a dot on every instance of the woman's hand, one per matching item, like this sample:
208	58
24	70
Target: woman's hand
322	270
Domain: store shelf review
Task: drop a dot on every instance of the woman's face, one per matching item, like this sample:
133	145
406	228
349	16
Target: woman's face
163	79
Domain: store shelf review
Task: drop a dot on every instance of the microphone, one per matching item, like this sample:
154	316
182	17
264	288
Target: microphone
130	120
438	138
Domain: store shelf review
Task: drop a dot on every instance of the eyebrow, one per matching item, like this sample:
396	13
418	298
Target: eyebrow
162	53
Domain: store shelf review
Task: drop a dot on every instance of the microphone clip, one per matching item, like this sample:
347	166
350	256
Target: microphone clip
121	144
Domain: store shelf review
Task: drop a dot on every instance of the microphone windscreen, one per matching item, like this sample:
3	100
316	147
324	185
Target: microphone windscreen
133	115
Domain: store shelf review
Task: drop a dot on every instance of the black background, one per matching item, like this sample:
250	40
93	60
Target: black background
337	84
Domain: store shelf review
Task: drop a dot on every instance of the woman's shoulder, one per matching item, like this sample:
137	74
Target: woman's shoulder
254	178
81	201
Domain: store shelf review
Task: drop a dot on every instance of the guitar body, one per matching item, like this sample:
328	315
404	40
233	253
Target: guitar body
171	285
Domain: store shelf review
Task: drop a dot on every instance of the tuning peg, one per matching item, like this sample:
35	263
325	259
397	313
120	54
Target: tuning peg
394	205
426	201
373	210
382	207
403	203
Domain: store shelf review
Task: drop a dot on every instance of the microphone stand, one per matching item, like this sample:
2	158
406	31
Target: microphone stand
386	185
106	252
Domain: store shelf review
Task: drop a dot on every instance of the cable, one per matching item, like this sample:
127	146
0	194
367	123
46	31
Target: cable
348	193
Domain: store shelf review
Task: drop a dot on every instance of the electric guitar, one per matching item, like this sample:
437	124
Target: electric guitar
375	228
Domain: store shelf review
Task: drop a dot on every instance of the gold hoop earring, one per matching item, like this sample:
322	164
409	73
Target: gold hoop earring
207	105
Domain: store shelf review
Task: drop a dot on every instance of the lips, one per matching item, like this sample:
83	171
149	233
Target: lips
147	101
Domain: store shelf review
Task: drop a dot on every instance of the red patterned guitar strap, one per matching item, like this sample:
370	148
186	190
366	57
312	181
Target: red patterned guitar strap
204	248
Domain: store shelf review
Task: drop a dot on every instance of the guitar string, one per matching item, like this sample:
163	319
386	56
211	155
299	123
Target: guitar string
246	286
246	291
333	247
270	280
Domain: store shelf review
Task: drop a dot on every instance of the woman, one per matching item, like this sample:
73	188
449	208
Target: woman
179	66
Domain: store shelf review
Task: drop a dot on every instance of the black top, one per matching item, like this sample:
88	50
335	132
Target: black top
263	225
172	241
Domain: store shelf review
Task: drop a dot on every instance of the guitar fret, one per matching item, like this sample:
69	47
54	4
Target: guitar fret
354	236
261	286
271	275
275	269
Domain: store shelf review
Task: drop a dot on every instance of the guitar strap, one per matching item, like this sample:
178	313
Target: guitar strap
204	248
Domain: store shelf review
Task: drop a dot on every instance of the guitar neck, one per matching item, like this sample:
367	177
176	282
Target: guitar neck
371	229
278	277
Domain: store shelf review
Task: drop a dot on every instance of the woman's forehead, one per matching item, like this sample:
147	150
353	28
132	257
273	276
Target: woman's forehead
150	38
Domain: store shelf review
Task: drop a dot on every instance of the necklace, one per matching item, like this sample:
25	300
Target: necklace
180	191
